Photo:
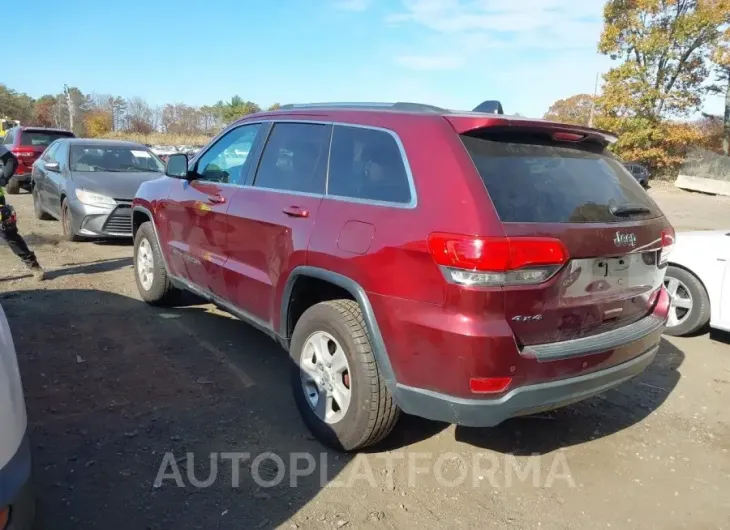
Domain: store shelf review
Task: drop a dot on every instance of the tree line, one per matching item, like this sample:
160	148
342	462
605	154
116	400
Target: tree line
98	115
670	55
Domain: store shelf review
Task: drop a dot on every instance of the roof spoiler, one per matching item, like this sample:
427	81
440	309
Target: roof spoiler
489	107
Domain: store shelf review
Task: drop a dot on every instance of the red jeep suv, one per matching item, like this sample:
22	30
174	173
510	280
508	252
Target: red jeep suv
460	266
28	144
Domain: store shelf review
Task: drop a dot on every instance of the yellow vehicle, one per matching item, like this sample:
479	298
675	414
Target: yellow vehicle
6	124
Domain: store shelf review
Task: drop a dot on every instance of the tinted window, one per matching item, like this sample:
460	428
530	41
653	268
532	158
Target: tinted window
295	158
532	179
367	164
225	160
41	138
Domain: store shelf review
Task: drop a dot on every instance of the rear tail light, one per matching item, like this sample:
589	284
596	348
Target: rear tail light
489	385
495	261
24	152
668	239
4	518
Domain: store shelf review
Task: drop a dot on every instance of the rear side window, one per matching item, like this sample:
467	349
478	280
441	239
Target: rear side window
9	137
295	158
532	179
41	138
367	164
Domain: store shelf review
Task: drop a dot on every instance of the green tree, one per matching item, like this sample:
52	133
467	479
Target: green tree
666	47
15	105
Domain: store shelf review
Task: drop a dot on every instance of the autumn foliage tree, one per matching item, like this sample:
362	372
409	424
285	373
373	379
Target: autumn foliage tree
575	110
98	122
666	48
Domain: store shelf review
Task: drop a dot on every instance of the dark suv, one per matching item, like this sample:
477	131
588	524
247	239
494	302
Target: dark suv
28	144
463	267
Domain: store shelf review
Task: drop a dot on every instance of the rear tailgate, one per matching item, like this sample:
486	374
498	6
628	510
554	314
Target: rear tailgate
568	187
36	141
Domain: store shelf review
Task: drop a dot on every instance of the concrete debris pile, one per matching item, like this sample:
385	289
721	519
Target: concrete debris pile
164	151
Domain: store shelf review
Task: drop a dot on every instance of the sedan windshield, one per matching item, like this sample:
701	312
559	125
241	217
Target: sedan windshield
91	158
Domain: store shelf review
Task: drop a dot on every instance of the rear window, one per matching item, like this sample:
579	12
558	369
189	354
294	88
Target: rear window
41	138
367	164
532	179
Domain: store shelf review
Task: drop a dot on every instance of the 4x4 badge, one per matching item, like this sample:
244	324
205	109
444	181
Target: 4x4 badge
624	240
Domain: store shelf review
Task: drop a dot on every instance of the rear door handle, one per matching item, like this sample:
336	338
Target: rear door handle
296	211
216	199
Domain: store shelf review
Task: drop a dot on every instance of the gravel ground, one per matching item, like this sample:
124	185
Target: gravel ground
113	386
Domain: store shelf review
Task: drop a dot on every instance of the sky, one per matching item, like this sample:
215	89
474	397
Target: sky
451	53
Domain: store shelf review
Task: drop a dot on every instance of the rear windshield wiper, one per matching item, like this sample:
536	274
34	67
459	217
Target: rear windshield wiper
627	210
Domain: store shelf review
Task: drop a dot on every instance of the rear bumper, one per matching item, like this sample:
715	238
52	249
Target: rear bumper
521	401
16	489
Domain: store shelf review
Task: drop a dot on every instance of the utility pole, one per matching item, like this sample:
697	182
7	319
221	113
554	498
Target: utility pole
593	102
70	104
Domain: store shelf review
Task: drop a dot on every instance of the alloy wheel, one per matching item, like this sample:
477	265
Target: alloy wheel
325	375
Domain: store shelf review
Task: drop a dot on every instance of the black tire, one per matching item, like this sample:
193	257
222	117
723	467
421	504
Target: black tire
13	186
161	292
372	414
67	223
699	315
40	213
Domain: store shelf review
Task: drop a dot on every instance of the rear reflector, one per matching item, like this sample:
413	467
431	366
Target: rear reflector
472	260
668	239
489	385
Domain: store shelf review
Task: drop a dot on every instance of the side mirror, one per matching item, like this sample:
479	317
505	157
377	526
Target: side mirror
177	166
53	167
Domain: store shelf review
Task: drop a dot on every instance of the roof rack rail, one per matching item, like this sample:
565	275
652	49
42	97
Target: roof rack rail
401	105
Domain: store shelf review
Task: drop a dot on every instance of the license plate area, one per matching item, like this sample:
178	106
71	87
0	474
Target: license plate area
611	277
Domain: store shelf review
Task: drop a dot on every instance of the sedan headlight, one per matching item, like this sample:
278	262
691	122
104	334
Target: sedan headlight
94	199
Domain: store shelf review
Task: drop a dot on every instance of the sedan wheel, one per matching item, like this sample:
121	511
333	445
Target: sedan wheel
689	309
681	305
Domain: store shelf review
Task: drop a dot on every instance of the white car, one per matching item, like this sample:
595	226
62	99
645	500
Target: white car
698	280
17	505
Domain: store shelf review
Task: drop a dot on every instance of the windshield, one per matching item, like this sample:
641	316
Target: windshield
91	158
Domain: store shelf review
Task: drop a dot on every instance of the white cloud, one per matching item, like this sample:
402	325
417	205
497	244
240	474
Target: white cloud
430	62
526	52
522	23
352	5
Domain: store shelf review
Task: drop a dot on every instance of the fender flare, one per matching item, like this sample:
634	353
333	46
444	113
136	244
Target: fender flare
361	297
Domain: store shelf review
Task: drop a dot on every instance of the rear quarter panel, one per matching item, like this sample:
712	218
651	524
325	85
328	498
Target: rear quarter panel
406	288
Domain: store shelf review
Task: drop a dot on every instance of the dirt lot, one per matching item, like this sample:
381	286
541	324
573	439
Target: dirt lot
113	385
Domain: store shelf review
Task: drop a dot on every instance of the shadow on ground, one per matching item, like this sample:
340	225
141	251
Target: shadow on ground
600	416
104	265
114	385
